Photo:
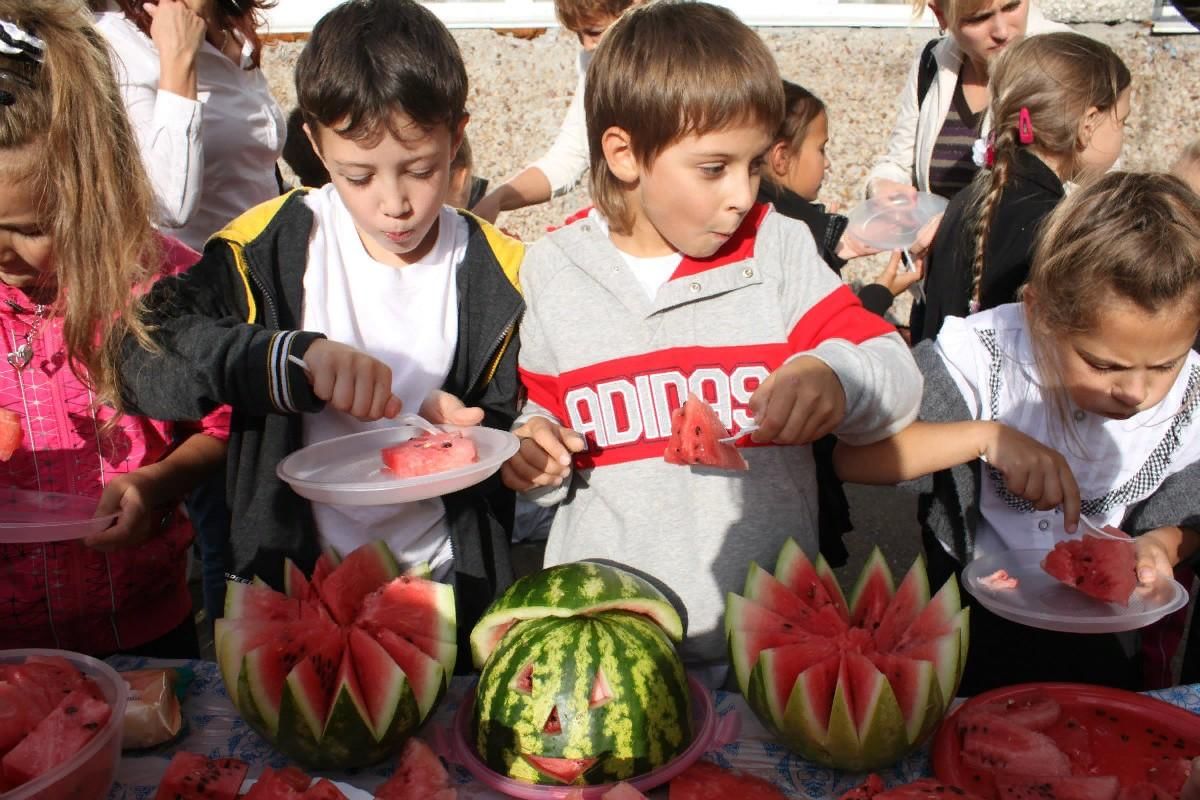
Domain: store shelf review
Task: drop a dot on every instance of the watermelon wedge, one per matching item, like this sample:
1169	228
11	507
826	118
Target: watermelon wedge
851	686
194	775
429	453
1099	567
695	434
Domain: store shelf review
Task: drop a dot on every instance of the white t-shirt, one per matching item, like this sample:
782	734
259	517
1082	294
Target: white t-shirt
208	159
1117	463
407	317
651	273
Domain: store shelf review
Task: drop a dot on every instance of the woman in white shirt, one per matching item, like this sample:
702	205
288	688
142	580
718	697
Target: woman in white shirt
943	104
209	130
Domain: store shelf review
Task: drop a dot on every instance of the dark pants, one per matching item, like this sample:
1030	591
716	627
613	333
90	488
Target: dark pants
209	513
1002	653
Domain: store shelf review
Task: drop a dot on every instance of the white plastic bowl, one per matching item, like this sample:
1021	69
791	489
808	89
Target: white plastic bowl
89	774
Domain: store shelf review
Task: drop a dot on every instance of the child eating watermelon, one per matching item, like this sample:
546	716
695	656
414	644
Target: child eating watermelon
679	282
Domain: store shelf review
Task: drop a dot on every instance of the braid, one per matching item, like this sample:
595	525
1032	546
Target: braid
991	187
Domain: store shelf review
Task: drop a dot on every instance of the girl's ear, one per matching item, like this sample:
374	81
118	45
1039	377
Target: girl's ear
617	146
938	15
778	157
1088	125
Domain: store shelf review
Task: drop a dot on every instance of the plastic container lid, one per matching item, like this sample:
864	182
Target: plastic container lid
31	517
89	774
892	221
1040	600
711	732
348	470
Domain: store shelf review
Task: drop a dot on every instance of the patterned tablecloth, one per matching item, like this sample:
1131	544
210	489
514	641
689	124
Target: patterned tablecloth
214	728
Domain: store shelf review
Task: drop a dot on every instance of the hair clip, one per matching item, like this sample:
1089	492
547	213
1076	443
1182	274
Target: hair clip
1024	126
16	41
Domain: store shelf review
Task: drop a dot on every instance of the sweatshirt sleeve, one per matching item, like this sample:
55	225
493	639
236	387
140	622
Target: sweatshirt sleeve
1175	502
896	164
209	349
567	159
826	321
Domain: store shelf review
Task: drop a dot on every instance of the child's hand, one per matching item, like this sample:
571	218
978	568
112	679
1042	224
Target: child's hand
798	403
849	247
896	281
544	458
1154	550
142	511
443	408
1033	471
1191	789
349	380
882	187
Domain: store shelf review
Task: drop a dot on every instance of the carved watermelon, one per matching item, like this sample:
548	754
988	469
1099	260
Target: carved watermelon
853	685
695	434
339	671
1097	566
581	683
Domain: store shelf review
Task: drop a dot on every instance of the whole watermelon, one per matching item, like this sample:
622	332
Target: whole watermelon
587	699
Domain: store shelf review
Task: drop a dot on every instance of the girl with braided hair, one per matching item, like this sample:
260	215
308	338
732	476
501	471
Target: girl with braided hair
1060	102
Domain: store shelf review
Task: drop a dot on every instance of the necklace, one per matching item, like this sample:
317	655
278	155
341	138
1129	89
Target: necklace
23	354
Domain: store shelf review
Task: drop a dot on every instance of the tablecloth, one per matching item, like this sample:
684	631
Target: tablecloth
214	728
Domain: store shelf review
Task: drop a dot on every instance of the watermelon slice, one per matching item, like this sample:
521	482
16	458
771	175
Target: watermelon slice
73	723
429	453
872	594
1088	787
695	431
360	573
815	585
994	743
190	775
705	780
924	789
11	433
419	773
1099	567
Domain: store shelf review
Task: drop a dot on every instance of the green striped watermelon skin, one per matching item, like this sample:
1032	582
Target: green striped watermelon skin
581	587
646	722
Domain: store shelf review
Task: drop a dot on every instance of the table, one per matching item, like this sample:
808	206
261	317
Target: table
214	728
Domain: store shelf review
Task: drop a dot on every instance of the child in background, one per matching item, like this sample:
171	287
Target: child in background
465	189
561	167
1187	165
1059	106
391	298
679	282
76	244
1085	395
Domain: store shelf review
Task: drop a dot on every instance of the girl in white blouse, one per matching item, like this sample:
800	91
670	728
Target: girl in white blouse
208	128
1083	398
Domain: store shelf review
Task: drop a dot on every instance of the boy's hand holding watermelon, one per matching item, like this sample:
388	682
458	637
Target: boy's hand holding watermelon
798	403
545	455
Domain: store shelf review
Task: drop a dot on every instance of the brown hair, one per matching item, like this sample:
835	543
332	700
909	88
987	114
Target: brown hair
576	14
243	17
715	73
1132	236
801	107
1189	156
953	11
95	199
369	59
1057	77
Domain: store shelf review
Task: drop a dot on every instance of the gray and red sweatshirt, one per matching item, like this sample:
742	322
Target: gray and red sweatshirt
599	356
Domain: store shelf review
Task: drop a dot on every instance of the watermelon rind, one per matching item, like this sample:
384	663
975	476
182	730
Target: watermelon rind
880	730
805	725
872	591
567	590
928	706
646	722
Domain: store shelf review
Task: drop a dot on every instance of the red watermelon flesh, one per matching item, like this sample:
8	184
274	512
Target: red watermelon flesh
1035	711
695	430
1099	567
1097	787
19	713
419	773
429	453
270	785
993	743
1145	791
814	584
358	575
901	611
11	433
324	790
763	588
73	723
403	606
871	787
924	789
191	775
705	780
622	791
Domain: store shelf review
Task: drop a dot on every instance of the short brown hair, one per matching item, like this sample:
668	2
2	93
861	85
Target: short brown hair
1189	156
953	11
671	69
576	14
369	59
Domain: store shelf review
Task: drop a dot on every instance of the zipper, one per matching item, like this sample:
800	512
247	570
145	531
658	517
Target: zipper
267	299
504	334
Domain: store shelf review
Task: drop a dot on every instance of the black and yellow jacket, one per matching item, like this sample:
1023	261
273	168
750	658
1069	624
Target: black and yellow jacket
225	329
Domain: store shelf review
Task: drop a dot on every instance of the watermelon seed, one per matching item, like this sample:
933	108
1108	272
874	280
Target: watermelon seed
1124	737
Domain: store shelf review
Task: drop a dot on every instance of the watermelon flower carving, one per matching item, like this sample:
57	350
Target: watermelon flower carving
580	681
852	686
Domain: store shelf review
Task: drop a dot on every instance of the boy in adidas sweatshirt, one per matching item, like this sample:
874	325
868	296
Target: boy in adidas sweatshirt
678	282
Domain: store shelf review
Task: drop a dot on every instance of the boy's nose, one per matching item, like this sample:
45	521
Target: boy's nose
742	194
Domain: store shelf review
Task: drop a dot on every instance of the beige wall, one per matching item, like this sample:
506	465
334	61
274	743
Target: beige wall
520	89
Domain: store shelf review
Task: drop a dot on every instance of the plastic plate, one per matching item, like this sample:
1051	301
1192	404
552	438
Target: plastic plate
348	470
31	517
1041	601
1115	720
711	732
892	222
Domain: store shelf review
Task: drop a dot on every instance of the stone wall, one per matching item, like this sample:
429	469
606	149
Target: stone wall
520	88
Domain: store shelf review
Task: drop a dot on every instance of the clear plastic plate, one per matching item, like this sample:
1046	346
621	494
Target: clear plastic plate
349	471
892	222
1041	601
30	517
